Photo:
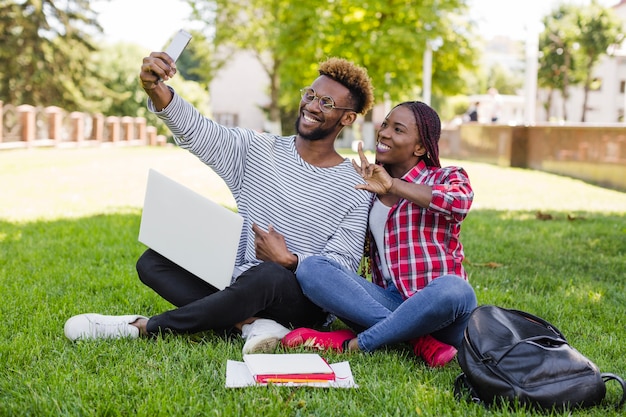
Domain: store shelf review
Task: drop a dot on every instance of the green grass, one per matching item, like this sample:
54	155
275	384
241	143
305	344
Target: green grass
68	243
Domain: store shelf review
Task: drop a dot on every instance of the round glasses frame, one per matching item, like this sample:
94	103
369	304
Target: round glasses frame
327	104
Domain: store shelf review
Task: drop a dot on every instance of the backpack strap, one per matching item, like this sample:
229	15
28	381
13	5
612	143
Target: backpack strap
463	388
608	377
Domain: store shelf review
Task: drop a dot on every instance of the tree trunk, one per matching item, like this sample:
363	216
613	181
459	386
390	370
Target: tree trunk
586	95
566	84
548	104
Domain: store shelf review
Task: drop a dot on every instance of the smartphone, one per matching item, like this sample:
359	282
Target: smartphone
178	44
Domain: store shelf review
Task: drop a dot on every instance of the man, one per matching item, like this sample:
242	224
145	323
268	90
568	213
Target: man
296	195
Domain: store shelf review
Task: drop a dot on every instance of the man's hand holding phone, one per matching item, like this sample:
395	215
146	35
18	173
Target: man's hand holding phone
162	66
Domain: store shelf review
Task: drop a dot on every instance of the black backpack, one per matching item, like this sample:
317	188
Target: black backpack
510	356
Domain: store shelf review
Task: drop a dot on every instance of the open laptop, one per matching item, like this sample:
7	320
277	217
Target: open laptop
190	230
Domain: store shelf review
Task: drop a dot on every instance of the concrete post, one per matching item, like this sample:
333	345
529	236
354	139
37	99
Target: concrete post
530	81
427	73
97	127
113	124
1	120
140	129
27	116
151	133
55	123
78	126
127	128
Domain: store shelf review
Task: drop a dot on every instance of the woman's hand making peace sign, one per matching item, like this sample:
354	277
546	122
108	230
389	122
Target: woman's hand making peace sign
378	179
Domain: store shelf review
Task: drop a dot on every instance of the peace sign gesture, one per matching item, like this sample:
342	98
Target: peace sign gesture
377	178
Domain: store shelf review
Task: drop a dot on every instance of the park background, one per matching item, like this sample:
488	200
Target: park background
551	92
548	244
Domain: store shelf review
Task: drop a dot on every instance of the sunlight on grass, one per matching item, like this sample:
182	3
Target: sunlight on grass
583	294
54	183
595	297
6	237
69	183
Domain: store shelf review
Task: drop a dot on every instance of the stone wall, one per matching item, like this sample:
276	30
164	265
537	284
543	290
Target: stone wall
593	153
29	126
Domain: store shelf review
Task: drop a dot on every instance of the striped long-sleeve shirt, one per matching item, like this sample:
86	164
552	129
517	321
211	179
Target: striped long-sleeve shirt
317	210
422	244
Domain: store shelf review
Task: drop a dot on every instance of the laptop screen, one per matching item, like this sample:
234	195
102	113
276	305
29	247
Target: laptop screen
192	231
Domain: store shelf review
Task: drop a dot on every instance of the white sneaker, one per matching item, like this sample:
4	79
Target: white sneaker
262	336
97	326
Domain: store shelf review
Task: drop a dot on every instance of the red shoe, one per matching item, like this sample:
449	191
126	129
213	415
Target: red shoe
318	340
434	352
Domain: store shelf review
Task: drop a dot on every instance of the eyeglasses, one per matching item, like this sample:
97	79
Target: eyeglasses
326	103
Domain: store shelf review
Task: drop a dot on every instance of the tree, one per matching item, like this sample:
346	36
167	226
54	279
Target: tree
388	37
504	80
117	69
571	45
44	48
199	62
251	25
599	28
558	67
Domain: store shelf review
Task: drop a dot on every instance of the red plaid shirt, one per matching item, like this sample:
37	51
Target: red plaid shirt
422	244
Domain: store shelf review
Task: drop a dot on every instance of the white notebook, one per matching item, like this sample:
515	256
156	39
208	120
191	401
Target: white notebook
190	230
266	367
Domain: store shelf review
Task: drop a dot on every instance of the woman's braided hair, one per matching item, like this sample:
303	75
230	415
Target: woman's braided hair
428	128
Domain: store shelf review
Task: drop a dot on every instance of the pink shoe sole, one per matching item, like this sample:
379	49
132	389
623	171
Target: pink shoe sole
443	358
316	339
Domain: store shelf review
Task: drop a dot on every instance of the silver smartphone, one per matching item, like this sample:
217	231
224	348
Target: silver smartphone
178	44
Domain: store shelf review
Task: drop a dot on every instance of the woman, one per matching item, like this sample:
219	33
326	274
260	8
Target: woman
419	290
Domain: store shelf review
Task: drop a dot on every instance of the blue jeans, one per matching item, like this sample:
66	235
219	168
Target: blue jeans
441	309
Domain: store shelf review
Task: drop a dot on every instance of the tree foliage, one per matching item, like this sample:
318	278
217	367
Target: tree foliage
388	37
117	69
571	45
199	62
558	68
600	28
48	58
505	80
45	44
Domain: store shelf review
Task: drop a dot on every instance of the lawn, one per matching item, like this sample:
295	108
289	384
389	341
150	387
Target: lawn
69	221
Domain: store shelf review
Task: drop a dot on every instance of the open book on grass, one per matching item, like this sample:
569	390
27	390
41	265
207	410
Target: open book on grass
293	367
